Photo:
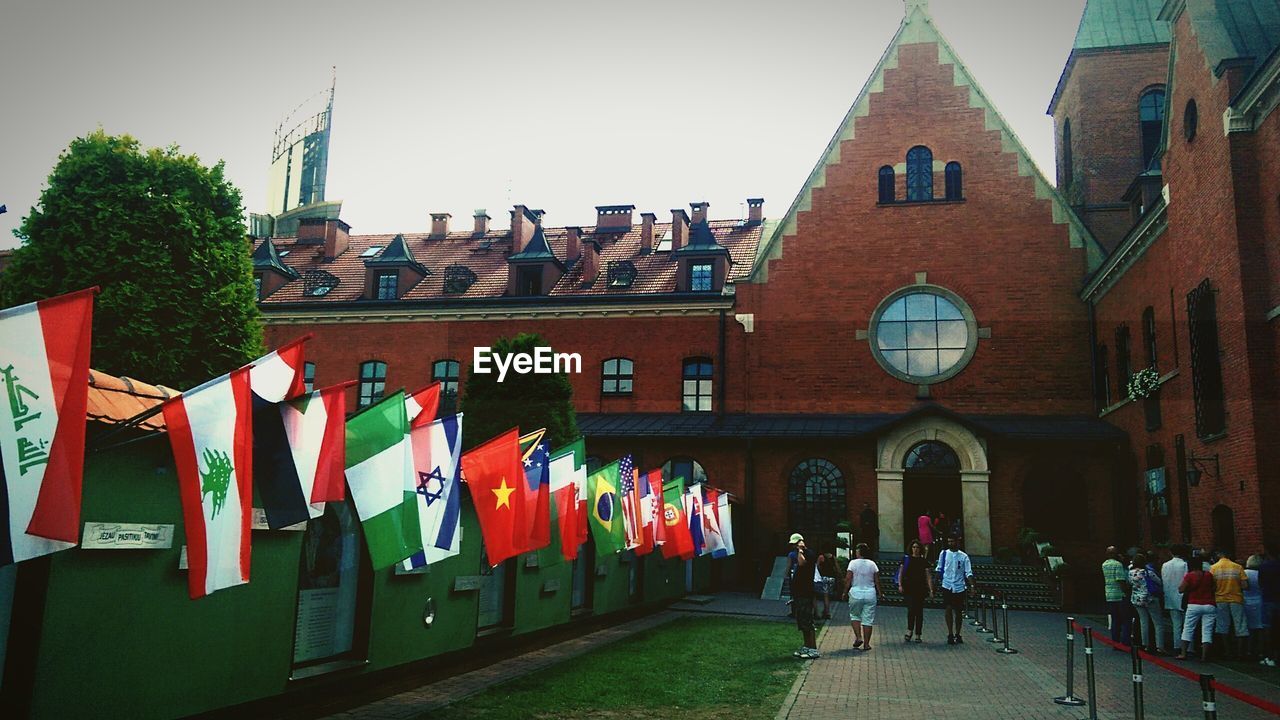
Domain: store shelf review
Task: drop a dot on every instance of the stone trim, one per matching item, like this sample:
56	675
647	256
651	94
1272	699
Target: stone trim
971	325
1134	246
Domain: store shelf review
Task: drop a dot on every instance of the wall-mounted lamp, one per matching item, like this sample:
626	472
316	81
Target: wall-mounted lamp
1200	467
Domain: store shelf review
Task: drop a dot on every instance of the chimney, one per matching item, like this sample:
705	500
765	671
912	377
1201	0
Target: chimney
613	218
755	211
646	232
440	224
482	222
590	262
522	226
699	211
573	244
679	228
337	235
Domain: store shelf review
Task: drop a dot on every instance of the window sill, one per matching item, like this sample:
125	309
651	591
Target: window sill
610	395
1130	401
914	203
1208	439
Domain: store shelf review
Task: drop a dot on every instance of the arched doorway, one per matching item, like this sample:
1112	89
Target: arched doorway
931	484
816	501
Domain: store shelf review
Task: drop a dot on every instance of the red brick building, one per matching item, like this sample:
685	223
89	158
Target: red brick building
909	335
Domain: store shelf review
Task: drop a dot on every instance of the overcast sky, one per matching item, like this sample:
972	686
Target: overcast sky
453	106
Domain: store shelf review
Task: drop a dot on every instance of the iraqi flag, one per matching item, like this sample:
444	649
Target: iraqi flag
675	523
568	473
714	543
44	364
378	472
274	378
315	428
211	431
494	473
423	406
437	452
725	514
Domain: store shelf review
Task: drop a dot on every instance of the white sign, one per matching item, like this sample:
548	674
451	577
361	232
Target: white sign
182	558
260	522
126	536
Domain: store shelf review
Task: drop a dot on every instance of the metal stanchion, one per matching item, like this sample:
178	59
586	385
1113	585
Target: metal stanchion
1088	671
1138	711
1004	609
1070	698
983	605
995	623
1208	697
976	612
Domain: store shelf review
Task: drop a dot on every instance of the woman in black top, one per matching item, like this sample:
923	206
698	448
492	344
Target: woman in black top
915	583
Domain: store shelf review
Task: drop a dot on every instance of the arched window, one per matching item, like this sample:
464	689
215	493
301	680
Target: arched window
445	372
616	376
1151	119
1068	159
954	181
373	381
888	185
931	455
686	468
1190	120
816	498
696	394
919	174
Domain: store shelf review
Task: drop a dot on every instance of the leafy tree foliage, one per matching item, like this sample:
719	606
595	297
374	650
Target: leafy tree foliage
163	237
529	401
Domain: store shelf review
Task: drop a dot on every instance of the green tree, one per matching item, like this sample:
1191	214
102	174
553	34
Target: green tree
529	401
163	237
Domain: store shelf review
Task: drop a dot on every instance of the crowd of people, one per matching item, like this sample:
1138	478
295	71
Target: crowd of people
1233	611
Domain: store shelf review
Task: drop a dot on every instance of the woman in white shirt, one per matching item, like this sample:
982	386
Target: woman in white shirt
864	594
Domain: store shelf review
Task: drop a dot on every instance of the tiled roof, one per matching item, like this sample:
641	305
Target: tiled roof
486	256
1120	23
112	400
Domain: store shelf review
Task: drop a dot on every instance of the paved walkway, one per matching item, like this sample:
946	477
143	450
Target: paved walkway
935	680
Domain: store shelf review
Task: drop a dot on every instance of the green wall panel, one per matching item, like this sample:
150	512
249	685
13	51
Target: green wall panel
537	605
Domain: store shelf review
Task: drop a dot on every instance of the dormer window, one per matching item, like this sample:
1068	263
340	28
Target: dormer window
622	273
393	272
371	251
387	282
458	279
529	280
701	277
318	283
257	286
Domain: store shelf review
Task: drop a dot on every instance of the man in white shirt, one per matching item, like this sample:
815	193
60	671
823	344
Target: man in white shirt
1171	574
957	578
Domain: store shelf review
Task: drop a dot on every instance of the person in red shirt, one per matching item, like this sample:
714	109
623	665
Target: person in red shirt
1198	589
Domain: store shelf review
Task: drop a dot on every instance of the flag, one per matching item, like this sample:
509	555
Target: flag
437	449
315	430
377	472
423	406
675	525
656	526
711	524
725	514
693	511
568	471
583	524
44	362
211	430
648	514
534	509
629	501
606	525
494	472
274	378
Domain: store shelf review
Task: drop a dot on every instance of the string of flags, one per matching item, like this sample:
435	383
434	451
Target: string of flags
402	465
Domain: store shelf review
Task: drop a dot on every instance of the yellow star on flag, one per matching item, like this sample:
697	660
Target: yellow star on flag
503	493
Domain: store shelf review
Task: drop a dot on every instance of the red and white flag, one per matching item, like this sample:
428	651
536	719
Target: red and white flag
423	406
44	366
211	431
316	426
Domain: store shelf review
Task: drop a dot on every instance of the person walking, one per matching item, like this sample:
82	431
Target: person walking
801	560
915	582
1115	579
924	530
957	577
1198	587
1253	607
1144	588
1269	584
864	595
1229	585
827	577
1171	574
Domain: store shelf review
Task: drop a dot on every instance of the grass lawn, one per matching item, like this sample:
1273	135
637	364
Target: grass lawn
695	667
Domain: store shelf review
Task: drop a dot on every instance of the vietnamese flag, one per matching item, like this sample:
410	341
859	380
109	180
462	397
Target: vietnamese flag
423	406
494	472
44	367
676	525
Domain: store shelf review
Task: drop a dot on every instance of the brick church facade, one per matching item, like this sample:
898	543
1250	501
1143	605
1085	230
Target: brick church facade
926	327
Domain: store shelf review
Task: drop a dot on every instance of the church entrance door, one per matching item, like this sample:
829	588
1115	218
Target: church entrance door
931	484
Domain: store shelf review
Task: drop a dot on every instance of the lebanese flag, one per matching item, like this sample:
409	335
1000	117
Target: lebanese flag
534	508
315	427
711	525
656	528
567	466
44	365
494	471
274	378
423	406
211	431
676	525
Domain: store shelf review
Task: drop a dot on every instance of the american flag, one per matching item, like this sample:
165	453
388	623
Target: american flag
630	500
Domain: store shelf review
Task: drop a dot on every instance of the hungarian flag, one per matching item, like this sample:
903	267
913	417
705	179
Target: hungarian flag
714	543
655	527
274	378
629	502
693	512
315	428
535	506
725	514
494	472
606	524
676	525
423	405
568	472
44	362
437	450
378	474
211	431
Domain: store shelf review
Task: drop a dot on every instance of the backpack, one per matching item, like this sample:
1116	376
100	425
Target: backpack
1154	586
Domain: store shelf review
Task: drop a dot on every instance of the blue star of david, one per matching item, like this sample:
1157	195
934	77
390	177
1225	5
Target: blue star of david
424	485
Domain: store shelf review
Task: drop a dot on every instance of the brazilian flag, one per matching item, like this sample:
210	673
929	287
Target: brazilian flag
603	509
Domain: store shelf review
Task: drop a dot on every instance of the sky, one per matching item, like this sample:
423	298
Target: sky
452	106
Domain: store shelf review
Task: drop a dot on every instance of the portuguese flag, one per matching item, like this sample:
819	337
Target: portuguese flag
675	524
379	471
